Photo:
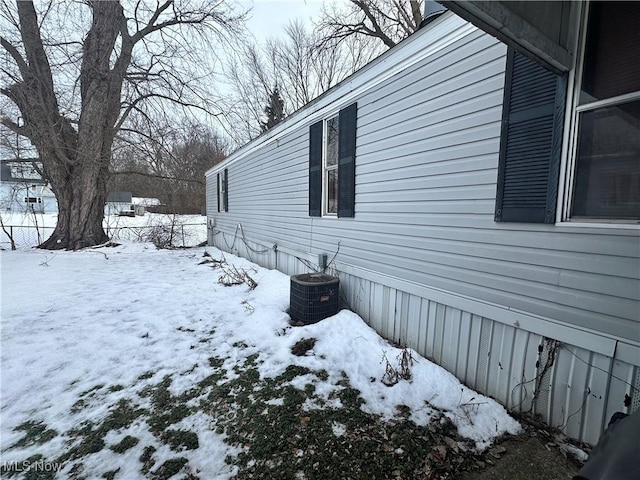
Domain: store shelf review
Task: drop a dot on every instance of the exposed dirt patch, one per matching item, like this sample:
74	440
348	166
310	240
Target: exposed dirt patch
303	346
536	454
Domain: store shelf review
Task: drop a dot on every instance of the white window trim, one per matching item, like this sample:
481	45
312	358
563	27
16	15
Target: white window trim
325	168
221	192
570	138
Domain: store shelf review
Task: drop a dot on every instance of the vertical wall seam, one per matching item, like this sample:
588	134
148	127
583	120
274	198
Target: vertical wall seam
509	359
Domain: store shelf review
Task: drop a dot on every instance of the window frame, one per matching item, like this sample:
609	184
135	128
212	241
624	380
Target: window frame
327	168
223	191
347	139
569	158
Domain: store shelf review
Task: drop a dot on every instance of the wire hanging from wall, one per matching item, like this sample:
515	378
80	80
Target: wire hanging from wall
239	234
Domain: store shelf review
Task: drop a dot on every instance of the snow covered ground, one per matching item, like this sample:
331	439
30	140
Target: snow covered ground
87	333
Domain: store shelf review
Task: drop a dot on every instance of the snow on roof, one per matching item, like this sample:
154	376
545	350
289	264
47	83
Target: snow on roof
119	197
145	202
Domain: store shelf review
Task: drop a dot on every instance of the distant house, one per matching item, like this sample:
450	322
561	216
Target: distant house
123	203
480	198
23	189
119	203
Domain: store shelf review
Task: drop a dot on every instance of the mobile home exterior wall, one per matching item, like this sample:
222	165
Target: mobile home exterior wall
544	318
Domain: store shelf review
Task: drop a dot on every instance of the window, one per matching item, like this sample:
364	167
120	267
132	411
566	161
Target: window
602	171
332	145
223	193
32	199
606	176
330	166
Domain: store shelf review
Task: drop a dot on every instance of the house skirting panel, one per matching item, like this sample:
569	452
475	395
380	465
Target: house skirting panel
571	379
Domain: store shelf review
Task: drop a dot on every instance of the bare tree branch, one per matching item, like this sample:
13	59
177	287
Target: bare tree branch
13	51
388	21
296	65
155	175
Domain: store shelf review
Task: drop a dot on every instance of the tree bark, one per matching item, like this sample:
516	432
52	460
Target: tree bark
81	200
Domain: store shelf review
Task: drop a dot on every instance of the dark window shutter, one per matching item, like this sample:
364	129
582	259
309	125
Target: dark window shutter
530	143
225	180
315	169
347	161
218	190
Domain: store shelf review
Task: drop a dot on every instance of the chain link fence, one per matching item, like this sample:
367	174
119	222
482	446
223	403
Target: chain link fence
23	236
163	235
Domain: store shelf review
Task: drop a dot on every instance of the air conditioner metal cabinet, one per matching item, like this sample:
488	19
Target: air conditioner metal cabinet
313	297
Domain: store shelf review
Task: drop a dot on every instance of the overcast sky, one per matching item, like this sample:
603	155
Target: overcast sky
269	17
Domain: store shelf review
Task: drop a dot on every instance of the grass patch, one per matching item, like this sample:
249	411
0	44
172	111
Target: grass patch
281	439
180	440
90	441
217	375
147	459
125	444
93	393
35	433
279	429
122	416
79	405
167	408
110	475
89	438
170	468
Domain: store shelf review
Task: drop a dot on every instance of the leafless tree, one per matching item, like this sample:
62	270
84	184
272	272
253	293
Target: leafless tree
292	62
250	80
171	166
388	21
296	65
76	73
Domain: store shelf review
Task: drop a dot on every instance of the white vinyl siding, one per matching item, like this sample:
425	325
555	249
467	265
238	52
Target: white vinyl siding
427	146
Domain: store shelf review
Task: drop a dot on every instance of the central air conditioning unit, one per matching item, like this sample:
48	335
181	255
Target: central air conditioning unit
314	296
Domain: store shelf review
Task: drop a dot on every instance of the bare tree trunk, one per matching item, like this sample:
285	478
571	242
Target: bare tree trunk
8	233
81	202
